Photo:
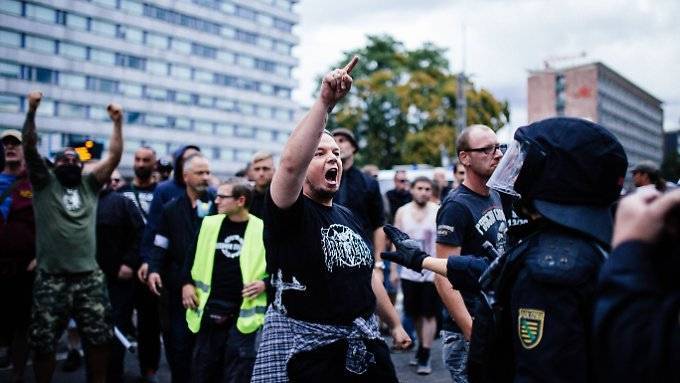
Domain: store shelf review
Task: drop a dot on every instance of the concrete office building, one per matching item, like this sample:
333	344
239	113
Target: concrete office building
215	73
597	93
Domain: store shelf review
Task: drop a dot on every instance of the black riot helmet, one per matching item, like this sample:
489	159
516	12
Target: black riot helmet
570	170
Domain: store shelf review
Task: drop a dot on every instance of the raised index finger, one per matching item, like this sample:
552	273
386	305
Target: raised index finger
350	66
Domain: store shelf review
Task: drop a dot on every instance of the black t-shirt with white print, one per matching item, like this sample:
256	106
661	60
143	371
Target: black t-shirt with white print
141	196
467	220
319	260
227	283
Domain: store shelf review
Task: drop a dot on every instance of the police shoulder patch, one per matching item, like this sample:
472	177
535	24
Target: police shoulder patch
530	327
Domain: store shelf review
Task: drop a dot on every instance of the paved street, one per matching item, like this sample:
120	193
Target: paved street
405	372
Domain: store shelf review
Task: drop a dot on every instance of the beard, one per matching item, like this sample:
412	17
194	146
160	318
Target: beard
68	175
143	173
319	193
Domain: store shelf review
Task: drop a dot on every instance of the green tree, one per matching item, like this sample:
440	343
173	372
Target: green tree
403	105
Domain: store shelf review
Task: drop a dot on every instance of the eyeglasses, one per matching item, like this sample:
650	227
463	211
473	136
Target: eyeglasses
223	196
489	149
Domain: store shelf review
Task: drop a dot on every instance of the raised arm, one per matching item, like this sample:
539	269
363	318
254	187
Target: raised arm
102	171
303	142
37	170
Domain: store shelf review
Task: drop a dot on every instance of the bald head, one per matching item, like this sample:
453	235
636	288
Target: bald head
468	135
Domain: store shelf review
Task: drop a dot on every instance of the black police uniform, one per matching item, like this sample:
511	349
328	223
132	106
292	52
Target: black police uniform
540	295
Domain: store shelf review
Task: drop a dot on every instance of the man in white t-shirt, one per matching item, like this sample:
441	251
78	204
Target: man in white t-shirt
421	302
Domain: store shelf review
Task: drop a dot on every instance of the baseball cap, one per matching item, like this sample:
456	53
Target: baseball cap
10	133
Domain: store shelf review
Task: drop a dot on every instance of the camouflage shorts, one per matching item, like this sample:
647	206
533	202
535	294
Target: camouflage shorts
58	297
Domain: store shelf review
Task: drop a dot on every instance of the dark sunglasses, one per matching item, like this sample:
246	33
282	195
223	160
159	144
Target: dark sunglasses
489	149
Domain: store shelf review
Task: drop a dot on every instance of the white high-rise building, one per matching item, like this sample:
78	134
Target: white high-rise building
214	73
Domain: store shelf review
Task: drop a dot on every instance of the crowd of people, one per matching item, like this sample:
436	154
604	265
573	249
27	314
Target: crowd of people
292	272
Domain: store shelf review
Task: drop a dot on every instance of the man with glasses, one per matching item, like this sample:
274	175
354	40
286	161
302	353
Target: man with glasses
224	288
469	216
400	195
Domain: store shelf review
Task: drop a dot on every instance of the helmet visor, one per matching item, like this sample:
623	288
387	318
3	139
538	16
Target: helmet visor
506	173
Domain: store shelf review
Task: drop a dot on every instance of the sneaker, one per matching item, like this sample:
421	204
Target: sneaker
424	369
73	361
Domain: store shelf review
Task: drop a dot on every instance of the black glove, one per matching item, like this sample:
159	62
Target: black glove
408	252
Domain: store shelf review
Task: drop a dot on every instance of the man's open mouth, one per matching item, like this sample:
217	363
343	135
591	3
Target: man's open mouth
331	175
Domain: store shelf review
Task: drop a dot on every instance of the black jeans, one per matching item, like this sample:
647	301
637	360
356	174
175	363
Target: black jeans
121	294
327	364
148	328
177	339
222	353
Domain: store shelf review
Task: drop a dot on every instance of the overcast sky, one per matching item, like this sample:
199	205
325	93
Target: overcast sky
504	39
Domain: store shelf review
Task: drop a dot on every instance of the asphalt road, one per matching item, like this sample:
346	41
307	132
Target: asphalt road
405	372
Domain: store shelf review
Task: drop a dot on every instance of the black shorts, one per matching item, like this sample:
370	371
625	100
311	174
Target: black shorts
420	299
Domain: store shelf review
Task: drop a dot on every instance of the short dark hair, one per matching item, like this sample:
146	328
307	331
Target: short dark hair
422	179
240	188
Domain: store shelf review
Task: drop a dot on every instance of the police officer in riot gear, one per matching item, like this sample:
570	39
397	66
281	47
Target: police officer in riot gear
565	174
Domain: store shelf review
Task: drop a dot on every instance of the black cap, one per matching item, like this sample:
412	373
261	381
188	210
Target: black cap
347	133
580	176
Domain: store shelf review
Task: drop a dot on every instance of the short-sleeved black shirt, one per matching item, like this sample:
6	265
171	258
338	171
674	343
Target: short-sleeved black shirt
467	219
324	260
227	282
361	195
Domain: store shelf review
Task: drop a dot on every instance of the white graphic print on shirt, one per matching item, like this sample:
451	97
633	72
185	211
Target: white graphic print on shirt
343	248
231	246
71	200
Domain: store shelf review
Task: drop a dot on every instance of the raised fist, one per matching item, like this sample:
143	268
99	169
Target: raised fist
336	84
34	100
115	112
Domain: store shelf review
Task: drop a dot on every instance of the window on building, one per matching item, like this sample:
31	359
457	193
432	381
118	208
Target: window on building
228	32
103	27
216	153
183	97
283	47
102	57
181	46
130	90
130	61
246	13
46	76
246	37
282	91
10	104
134	7
99	113
203	127
265	42
228	7
156	120
203	75
205	101
11	6
225	80
267	88
76	22
225	56
182	123
161	148
225	104
102	85
39	44
73	50
131	34
247	109
156	40
47	108
245	61
133	117
108	3
10	38
157	67
263	135
180	71
173	17
71	80
156	93
10	70
38	12
265	65
282	70
243	155
244	131
265	19
203	50
224	129
69	110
